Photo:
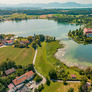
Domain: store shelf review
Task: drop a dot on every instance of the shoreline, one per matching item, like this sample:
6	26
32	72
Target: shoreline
60	56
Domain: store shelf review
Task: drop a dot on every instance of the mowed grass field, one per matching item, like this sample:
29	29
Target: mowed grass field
60	87
22	56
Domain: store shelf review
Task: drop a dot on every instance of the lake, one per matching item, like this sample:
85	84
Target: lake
75	53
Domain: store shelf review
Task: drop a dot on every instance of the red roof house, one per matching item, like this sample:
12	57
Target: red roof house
73	76
88	32
27	76
1	44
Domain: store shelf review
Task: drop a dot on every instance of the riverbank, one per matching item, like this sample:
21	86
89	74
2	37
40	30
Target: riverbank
60	56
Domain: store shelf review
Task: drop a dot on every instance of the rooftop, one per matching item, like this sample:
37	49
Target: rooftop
73	75
9	71
23	77
10	86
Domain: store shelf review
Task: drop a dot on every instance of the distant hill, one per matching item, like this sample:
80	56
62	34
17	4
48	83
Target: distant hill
54	4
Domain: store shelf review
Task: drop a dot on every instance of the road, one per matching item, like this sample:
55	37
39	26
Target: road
44	79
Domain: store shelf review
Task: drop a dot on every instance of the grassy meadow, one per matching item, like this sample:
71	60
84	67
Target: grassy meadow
22	56
60	87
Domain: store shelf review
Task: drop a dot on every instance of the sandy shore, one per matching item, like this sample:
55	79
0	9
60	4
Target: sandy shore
60	55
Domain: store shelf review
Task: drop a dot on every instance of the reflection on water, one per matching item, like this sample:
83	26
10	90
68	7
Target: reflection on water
75	52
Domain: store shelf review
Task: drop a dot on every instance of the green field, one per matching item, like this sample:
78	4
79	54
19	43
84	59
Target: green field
22	56
60	87
46	60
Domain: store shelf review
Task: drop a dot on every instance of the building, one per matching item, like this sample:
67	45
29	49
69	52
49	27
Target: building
1	44
9	71
8	42
24	42
21	79
6	38
73	76
11	86
12	38
88	32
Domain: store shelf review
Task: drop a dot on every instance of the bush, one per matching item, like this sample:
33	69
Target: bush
64	81
38	78
47	81
53	74
71	90
36	90
40	88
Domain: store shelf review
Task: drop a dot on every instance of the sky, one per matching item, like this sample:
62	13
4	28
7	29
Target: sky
43	1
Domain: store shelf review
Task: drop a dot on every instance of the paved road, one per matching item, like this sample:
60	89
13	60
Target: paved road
44	80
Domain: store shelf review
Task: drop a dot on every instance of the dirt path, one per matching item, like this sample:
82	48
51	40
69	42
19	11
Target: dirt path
44	80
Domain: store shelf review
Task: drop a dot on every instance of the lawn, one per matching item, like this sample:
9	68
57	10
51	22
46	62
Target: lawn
22	56
46	60
60	87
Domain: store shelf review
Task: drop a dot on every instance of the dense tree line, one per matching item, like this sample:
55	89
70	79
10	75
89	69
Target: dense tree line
78	19
48	11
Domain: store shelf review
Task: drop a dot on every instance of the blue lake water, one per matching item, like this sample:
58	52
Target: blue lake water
75	53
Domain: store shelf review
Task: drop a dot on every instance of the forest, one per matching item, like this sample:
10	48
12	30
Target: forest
77	11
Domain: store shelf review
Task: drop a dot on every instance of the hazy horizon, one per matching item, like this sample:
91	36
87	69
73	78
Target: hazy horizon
43	1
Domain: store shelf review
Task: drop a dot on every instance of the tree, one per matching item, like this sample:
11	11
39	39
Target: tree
36	90
2	88
34	45
1	37
30	38
38	42
83	80
41	87
71	90
53	74
54	38
30	67
27	45
64	81
37	37
19	72
38	78
42	37
47	81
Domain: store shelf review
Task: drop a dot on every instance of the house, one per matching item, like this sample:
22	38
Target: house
8	42
6	38
88	32
24	42
73	76
12	38
11	86
9	71
21	79
1	44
